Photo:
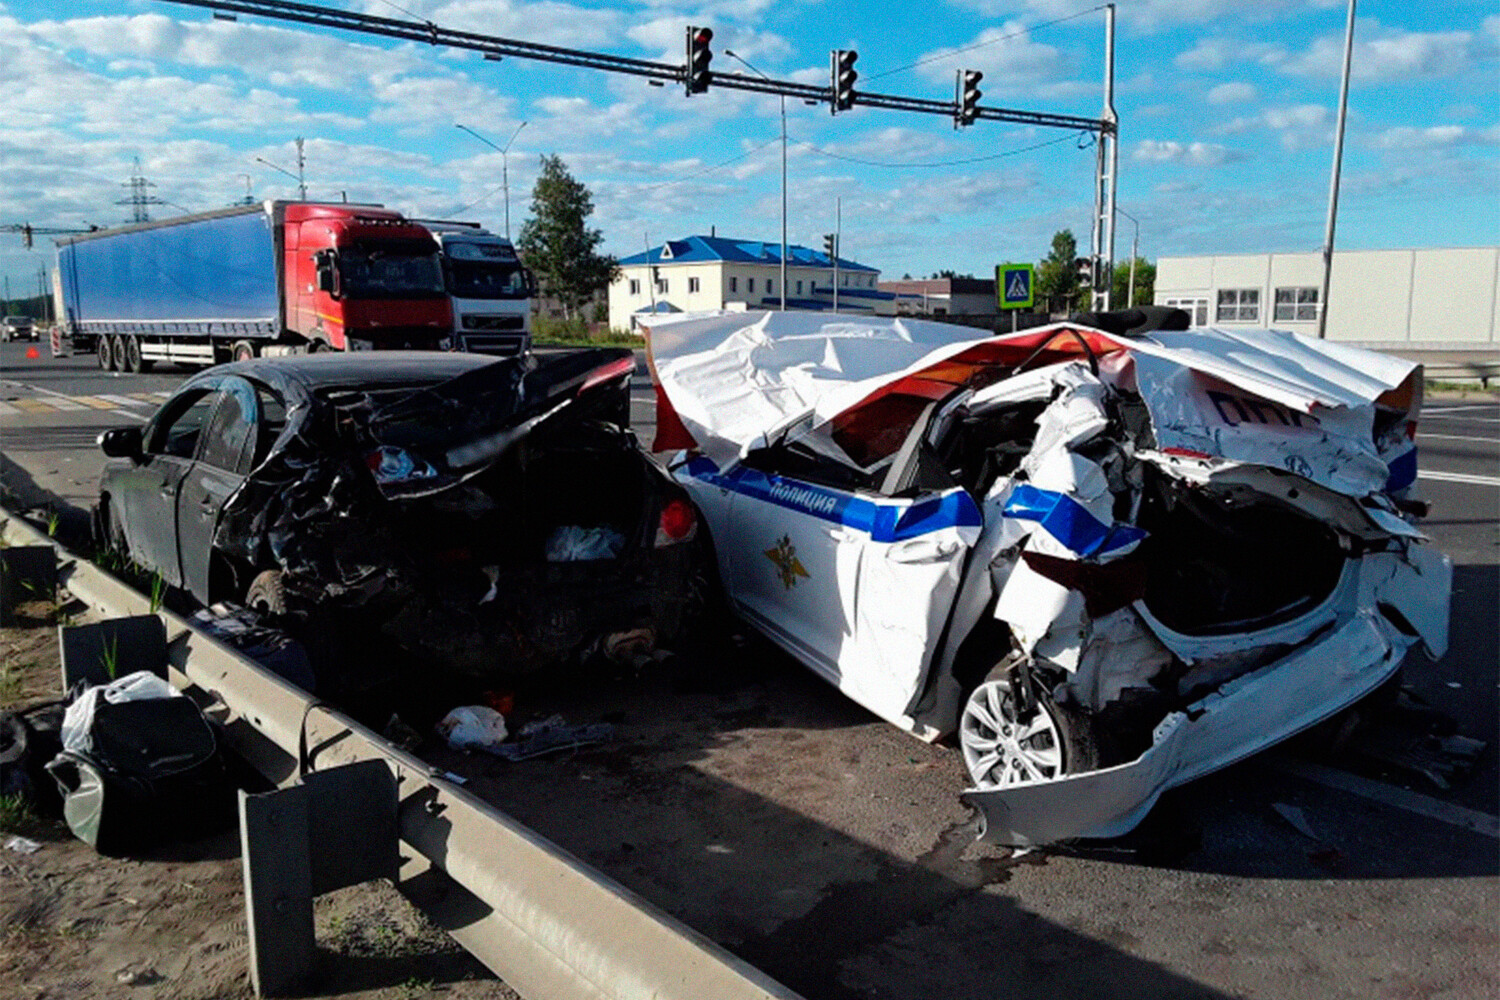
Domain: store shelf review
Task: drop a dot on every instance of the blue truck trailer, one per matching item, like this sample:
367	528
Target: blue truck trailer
277	277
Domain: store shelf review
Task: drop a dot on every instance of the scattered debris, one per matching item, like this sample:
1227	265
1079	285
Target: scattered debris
22	845
1324	853
473	727
571	543
553	734
401	734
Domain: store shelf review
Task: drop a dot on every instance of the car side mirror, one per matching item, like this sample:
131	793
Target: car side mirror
122	442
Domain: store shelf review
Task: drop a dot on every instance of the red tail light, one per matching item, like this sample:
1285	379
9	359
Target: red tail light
679	523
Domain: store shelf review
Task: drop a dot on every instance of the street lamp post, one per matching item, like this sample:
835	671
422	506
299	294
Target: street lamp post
763	76
504	164
1135	248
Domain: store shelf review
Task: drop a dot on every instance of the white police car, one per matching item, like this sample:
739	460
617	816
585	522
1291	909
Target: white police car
1110	555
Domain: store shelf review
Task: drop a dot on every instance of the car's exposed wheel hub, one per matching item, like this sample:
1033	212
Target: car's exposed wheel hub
1000	750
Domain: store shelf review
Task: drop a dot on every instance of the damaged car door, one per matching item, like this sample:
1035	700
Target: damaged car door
848	546
146	494
223	462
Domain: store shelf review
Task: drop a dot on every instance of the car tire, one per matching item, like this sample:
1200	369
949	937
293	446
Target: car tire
104	349
1000	752
266	594
132	351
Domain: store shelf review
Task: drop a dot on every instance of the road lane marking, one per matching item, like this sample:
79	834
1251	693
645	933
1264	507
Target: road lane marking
63	403
1466	419
1460	477
95	402
123	400
34	405
1455	437
6	410
1390	795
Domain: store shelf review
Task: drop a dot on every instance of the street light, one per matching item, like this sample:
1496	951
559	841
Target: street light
504	164
1135	246
763	76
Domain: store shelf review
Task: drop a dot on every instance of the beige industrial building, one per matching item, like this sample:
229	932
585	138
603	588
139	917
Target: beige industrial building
1433	299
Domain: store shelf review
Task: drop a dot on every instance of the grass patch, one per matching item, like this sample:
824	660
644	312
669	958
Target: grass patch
16	815
1465	388
576	333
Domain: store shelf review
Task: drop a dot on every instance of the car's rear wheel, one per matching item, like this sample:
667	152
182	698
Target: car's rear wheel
1001	750
266	594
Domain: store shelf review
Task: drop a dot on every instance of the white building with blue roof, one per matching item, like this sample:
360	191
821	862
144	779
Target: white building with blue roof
714	272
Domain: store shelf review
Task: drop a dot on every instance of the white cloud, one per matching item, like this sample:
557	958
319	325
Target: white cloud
1010	62
1195	154
1434	137
1154	15
1234	92
1384	54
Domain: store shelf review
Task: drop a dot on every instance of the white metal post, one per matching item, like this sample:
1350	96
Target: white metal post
1333	183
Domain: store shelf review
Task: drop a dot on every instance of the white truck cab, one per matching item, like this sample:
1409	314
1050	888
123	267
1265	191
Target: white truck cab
491	290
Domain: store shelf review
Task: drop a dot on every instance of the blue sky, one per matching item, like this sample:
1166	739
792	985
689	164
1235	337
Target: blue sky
1227	113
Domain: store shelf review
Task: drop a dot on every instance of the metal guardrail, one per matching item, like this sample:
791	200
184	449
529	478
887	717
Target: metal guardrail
549	925
1482	369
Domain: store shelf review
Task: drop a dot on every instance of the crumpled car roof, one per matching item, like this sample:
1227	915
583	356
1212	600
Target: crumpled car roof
736	379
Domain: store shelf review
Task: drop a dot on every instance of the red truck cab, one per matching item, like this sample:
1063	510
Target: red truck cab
361	277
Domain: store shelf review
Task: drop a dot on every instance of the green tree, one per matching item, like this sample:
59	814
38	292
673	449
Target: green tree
557	243
1145	283
1057	274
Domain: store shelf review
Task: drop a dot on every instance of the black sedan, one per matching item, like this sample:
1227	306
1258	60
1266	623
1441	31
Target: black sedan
498	516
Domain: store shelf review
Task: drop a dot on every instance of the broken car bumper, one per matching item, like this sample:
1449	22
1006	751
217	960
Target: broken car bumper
1240	718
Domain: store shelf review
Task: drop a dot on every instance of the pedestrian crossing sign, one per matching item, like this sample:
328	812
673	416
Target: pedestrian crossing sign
1014	286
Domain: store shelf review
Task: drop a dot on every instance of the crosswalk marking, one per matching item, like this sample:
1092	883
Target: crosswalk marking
34	405
6	410
95	402
123	400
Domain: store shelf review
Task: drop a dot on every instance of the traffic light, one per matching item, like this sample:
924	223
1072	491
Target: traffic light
698	58
831	245
1085	266
968	95
844	76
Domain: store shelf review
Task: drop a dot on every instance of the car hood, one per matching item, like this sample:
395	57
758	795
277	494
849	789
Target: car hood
731	382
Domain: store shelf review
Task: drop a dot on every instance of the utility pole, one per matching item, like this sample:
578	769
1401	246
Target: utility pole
1135	250
1102	240
504	164
838	237
738	58
1333	183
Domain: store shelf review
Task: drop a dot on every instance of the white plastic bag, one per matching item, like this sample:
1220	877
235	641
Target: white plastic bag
78	720
473	727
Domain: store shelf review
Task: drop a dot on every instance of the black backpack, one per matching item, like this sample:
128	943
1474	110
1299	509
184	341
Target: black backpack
152	773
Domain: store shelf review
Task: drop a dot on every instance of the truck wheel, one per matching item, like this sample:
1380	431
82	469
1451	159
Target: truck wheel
132	352
103	349
266	594
116	353
242	350
1000	751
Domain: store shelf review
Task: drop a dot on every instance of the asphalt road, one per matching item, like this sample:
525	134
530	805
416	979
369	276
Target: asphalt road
764	809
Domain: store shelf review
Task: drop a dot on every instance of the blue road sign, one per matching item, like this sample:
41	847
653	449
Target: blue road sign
1015	287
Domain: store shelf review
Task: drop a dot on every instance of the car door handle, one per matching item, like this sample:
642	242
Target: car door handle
923	550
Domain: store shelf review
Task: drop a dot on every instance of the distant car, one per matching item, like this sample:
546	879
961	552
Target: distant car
1109	560
17	328
497	516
